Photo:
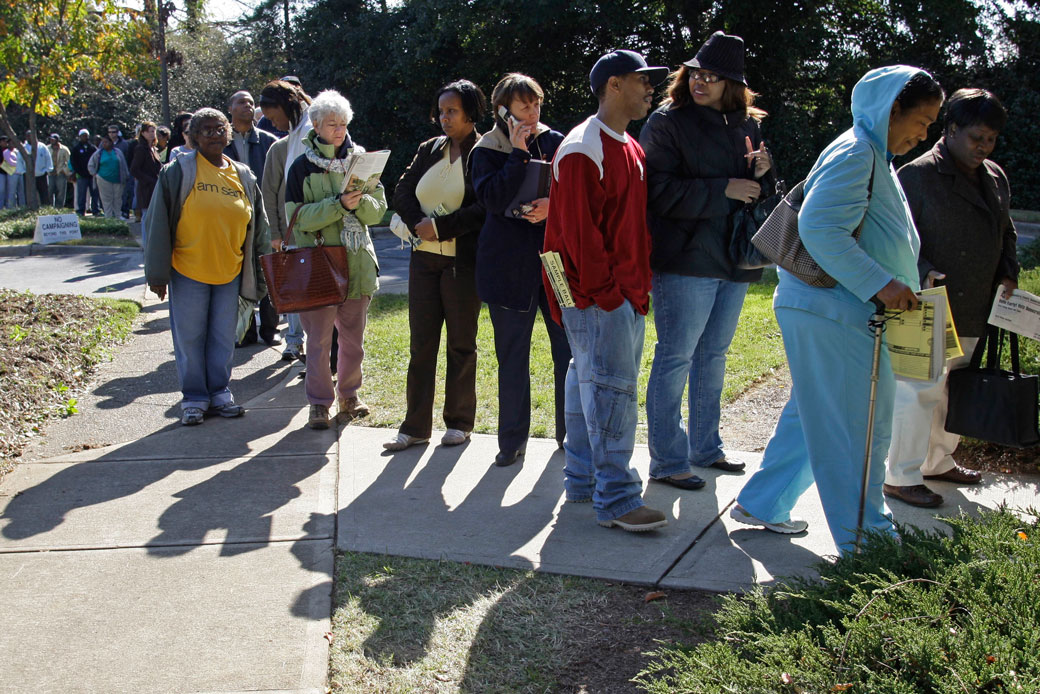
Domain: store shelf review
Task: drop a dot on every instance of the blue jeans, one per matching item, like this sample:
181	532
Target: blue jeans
600	405
85	188
294	335
3	190
695	319
203	319
16	190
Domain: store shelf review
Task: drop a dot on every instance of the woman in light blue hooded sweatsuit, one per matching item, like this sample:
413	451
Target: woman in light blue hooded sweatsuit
821	434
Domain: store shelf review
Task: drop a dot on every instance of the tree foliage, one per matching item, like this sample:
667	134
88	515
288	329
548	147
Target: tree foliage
43	43
803	57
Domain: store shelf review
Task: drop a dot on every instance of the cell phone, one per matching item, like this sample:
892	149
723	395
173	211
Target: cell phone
505	115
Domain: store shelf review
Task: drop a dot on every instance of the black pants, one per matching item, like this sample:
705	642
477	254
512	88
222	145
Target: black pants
268	322
439	294
42	190
513	331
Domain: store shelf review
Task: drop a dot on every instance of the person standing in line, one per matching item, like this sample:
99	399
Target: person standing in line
822	431
177	139
44	166
108	167
508	268
705	160
116	136
597	223
285	105
435	198
79	157
206	230
58	177
6	170
961	204
250	145
16	192
337	219
162	141
145	170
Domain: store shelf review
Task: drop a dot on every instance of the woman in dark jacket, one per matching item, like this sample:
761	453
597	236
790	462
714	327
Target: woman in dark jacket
435	199
145	170
704	159
509	271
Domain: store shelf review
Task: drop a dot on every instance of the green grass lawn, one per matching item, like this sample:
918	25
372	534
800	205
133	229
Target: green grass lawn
756	351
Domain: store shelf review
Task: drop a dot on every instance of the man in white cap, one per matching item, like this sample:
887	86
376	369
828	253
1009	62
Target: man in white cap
597	223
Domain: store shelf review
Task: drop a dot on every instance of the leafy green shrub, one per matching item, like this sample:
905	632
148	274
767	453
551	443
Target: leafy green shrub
1029	255
930	614
20	223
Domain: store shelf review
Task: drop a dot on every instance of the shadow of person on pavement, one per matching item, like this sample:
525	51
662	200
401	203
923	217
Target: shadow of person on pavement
242	500
132	468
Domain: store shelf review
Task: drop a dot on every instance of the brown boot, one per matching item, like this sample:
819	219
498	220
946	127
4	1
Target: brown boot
638	520
915	495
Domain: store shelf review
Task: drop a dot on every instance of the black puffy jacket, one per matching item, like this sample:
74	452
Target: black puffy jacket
691	153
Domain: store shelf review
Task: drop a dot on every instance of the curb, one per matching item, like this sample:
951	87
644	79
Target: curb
39	249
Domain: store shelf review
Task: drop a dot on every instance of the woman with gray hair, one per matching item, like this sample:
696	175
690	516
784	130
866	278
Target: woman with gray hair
313	194
206	231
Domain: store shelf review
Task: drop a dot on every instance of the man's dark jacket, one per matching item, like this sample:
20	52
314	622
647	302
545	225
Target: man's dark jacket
259	142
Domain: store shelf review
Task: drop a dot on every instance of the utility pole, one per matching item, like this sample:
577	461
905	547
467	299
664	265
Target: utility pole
288	39
165	8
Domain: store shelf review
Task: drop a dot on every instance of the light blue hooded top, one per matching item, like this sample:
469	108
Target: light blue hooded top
834	205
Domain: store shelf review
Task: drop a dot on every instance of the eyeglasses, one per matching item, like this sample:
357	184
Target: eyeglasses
706	77
214	132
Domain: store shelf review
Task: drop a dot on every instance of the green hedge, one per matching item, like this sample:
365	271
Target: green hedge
931	614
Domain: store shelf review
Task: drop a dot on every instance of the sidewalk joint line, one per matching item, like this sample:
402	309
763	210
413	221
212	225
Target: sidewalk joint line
657	583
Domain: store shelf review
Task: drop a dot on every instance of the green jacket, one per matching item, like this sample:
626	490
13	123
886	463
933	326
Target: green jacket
175	182
316	192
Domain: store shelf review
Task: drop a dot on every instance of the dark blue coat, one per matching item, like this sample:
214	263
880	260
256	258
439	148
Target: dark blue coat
259	142
509	271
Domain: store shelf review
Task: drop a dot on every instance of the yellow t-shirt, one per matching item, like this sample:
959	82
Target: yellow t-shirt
212	227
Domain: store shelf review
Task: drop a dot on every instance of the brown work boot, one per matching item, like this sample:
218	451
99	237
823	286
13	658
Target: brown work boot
319	417
915	495
958	475
352	408
638	520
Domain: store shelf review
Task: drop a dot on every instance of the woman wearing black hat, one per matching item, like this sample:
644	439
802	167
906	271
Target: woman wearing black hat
705	159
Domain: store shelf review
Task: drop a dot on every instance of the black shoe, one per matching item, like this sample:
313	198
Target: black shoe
272	341
246	341
688	483
507	458
727	466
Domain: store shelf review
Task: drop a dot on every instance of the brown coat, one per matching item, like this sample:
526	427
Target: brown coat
966	231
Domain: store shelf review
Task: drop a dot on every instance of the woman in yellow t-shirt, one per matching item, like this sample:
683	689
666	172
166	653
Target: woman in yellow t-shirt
206	230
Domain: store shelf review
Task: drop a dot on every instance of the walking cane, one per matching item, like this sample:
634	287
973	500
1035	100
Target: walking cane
877	324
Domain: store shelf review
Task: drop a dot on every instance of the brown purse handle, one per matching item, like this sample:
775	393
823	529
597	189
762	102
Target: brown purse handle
288	232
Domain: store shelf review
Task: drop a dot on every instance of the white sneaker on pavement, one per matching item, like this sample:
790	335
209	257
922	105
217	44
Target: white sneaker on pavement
787	527
454	437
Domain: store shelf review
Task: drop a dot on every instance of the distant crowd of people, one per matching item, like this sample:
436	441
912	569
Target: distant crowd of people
630	219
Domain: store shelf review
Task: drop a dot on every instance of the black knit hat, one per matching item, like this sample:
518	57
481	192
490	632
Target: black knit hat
723	55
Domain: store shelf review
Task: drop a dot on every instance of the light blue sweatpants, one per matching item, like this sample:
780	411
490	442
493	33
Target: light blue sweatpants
822	432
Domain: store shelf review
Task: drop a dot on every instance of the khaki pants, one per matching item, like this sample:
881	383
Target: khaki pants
111	196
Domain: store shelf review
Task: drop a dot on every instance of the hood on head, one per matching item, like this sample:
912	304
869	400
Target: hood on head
873	96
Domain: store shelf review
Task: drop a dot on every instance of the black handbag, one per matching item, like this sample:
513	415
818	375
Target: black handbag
990	404
745	223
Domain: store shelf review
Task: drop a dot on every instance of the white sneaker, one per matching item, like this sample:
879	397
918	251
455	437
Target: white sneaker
402	441
787	527
454	437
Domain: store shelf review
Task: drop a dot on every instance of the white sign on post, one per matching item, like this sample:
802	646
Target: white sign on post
56	227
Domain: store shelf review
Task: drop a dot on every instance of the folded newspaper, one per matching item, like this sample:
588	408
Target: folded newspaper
364	170
1019	314
920	341
553	264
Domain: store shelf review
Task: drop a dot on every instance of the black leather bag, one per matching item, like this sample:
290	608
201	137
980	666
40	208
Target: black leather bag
745	223
990	404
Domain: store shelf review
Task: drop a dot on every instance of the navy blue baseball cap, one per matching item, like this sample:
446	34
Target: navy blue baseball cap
621	62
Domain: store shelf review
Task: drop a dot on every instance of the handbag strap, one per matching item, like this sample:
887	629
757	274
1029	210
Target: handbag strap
289	230
1015	367
986	344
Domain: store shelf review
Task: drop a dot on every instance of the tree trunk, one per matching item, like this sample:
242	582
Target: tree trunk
32	199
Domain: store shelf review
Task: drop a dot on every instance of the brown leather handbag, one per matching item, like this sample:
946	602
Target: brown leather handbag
302	279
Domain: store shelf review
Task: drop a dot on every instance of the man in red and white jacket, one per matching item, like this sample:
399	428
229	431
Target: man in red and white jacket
597	223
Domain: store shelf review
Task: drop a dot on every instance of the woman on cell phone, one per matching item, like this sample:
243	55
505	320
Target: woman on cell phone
509	271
